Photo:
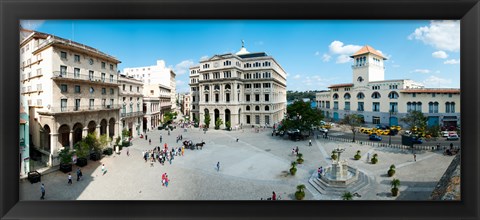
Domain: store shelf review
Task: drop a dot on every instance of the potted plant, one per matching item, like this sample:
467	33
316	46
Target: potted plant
218	123
82	150
395	184
334	155
93	144
391	171
357	156
374	159
300	158
103	147
293	169
347	196
65	160
228	125
300	193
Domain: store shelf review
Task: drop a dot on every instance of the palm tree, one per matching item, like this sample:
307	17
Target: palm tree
301	188
347	196
300	158
395	184
300	193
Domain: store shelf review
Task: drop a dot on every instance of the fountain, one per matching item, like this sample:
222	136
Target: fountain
339	174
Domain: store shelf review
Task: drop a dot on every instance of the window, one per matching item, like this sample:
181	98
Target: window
327	104
216	87
206	66
216	98
335	96
76	73
138	89
227	74
63	105
63	88
90	74
123	87
449	95
266	85
248	86
111	66
103	77
257	85
193	98
257	97
112	91
227	97
433	95
376	95
376	107
77	89
39	87
267	108
375	87
347	106
76	58
206	98
131	88
257	108
216	75
433	107
104	91
77	105
360	95
206	88
450	107
247	108
393	107
103	65
111	78
39	102
346	96
63	71
228	86
267	97
39	71
335	105
393	95
63	55
267	119
414	95
247	98
257	119
248	119
91	104
360	107
347	89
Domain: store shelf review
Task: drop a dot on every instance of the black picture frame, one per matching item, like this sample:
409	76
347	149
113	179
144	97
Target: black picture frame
468	11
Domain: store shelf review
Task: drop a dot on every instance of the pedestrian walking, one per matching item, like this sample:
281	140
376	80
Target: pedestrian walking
237	139
69	179
149	141
274	196
296	150
169	132
319	172
218	166
146	137
104	170
79	174
183	150
310	143
128	152
293	151
160	138
42	190
163	179
166	180
414	157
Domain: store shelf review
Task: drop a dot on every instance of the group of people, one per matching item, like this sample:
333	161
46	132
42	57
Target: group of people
79	176
165	180
179	137
162	155
320	171
295	150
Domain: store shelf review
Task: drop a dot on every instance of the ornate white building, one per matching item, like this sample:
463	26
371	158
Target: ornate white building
243	88
71	90
381	101
131	100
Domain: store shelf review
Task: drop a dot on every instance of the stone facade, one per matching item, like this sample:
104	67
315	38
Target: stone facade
70	88
381	101
131	100
243	88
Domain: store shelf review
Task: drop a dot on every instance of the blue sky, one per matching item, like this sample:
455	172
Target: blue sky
313	53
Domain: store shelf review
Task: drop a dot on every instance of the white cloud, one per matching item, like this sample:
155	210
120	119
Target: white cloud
421	71
452	61
317	53
437	82
204	57
343	59
31	24
183	67
388	56
440	54
297	76
326	57
442	35
337	47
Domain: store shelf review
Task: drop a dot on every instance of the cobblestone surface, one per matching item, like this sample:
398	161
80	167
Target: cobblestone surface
250	169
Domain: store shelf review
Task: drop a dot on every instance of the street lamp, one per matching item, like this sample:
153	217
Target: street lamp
391	112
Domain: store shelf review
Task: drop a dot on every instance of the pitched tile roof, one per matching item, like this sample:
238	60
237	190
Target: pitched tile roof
341	85
368	49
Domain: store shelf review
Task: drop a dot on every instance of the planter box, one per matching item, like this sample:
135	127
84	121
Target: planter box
108	151
95	156
66	168
81	162
34	177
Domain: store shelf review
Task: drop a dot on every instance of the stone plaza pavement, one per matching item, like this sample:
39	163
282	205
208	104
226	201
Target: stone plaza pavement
250	169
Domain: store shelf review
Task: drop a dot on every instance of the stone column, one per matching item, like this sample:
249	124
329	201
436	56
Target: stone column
70	138
97	130
117	127
85	131
53	148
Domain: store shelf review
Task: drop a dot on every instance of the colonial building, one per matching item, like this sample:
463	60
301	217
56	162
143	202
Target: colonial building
242	88
186	104
71	90
156	102
381	101
131	100
24	155
154	75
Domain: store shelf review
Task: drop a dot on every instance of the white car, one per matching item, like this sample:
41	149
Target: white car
444	133
323	130
452	137
407	132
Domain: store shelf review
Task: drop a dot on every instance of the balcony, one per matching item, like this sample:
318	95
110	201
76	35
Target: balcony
131	114
78	109
68	76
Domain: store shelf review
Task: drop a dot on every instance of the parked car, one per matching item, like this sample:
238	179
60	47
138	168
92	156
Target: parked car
417	140
444	133
374	137
452	137
323	130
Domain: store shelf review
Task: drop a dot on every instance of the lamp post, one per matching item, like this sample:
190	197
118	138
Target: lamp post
391	112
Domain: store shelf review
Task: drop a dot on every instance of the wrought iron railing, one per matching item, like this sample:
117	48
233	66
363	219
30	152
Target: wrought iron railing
82	108
86	77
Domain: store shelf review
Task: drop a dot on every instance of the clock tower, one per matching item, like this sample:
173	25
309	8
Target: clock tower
367	66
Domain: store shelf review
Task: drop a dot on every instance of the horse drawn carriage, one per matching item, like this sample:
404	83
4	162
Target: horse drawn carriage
190	145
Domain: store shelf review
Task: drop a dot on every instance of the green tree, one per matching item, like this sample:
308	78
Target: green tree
347	196
353	121
434	131
125	133
395	184
415	119
104	141
207	120
228	125
92	141
300	193
168	117
65	156
218	123
301	116
82	149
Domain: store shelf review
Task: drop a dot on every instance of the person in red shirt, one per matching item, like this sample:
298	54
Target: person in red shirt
274	196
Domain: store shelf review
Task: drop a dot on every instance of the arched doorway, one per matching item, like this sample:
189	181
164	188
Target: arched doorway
145	121
64	135
216	113
92	126
111	127
46	138
77	133
227	116
239	115
103	127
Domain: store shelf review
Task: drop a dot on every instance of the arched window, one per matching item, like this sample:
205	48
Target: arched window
409	106
217	87
393	95
376	95
227	86
257	108
346	96
360	95
207	88
248	108
335	96
267	108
